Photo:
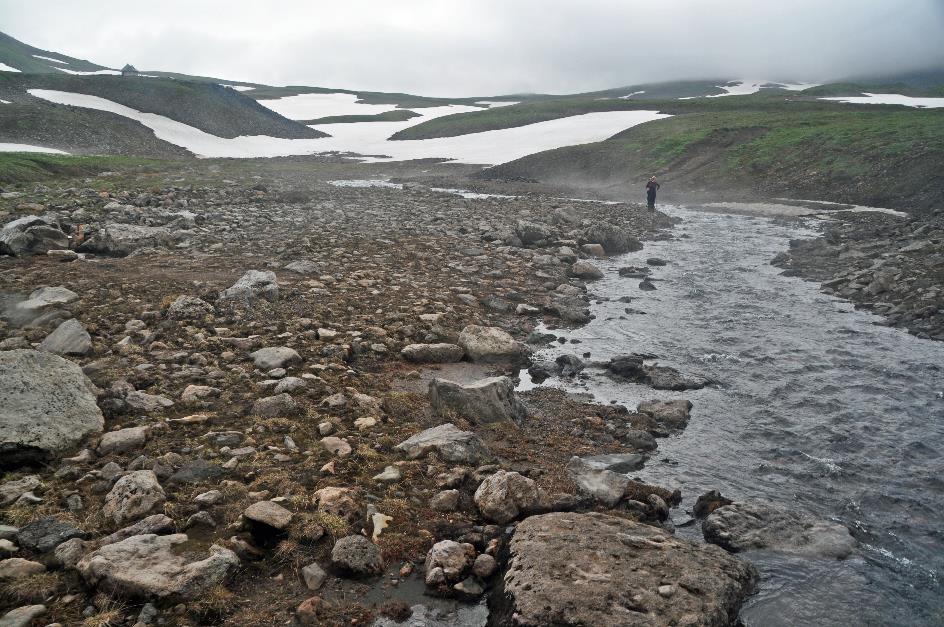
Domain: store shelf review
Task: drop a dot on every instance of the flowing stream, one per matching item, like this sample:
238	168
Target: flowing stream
817	407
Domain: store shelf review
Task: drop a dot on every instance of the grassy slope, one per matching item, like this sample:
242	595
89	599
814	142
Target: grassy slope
18	167
19	55
559	107
882	156
215	109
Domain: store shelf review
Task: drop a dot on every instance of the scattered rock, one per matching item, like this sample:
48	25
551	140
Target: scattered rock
586	270
445	501
189	308
275	406
18	568
454	558
10	491
314	576
709	502
120	240
269	514
122	440
266	359
604	485
670	414
22	616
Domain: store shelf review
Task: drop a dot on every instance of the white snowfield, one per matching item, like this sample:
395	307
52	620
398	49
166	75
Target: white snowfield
39	56
5	101
894	99
314	106
370	138
6	68
29	148
238	87
95	73
747	87
491	104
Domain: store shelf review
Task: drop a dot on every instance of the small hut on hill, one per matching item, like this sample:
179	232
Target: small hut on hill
129	70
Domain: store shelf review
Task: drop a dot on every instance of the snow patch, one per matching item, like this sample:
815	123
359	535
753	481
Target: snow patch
371	138
314	106
95	73
491	104
747	87
29	148
5	102
6	68
39	56
238	87
630	95
892	99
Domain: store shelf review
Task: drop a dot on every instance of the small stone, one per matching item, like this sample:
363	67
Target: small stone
666	591
208	498
336	446
135	495
269	513
445	501
314	576
356	555
17	568
389	474
122	440
484	566
307	611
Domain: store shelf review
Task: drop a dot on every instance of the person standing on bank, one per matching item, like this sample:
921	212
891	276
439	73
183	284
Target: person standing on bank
651	188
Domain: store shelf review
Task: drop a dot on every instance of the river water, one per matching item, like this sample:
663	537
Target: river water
817	407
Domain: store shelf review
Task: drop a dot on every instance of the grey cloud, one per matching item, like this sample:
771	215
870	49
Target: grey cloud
484	47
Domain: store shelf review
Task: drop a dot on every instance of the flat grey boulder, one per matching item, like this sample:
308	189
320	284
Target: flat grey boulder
46	533
122	440
31	235
254	285
432	353
147	402
120	240
567	568
22	616
487	400
760	525
272	357
665	378
616	462
46	406
11	490
69	338
491	345
448	441
157	567
275	406
134	496
303	267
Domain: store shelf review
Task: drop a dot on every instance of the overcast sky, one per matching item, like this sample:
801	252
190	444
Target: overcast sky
489	47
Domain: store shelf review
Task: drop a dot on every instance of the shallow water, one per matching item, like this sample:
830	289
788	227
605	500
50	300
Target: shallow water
817	407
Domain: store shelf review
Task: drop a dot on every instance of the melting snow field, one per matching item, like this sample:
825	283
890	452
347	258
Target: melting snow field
491	104
370	138
894	99
29	148
314	106
95	73
39	56
6	68
238	87
747	87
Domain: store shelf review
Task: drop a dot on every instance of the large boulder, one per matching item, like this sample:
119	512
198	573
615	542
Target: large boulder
432	353
491	345
157	567
504	496
533	232
759	525
592	569
69	338
488	400
31	235
46	406
254	285
120	240
448	441
134	496
586	271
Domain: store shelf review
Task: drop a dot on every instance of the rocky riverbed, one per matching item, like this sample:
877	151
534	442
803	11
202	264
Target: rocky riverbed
236	393
890	265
